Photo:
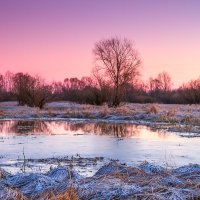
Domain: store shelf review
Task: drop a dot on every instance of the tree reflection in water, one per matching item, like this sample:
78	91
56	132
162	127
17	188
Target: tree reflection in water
23	127
119	130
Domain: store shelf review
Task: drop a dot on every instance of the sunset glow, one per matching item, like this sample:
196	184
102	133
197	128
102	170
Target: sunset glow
55	38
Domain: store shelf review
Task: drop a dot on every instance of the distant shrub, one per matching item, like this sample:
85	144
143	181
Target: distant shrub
31	91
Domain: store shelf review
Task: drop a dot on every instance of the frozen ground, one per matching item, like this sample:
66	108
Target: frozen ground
112	181
175	118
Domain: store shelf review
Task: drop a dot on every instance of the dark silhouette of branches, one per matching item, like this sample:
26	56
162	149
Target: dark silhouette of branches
31	91
118	62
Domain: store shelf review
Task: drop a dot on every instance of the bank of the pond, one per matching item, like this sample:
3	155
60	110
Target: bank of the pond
178	118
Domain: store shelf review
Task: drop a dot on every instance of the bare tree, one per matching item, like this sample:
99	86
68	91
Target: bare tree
161	83
8	81
102	86
1	86
160	88
118	62
154	85
165	81
1	82
191	91
22	85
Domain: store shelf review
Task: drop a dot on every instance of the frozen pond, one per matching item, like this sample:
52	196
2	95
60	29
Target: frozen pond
126	142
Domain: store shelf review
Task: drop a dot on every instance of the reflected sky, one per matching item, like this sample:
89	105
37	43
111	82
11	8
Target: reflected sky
119	130
126	142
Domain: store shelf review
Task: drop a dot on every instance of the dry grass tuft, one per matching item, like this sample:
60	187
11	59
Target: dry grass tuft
121	176
171	112
123	110
37	113
153	109
50	112
2	113
104	110
187	119
70	194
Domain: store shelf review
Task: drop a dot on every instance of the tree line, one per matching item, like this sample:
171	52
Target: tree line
115	79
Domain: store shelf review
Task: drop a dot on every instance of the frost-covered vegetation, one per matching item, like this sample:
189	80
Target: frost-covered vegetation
112	181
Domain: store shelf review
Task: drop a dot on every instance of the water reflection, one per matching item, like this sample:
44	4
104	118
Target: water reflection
118	130
23	127
61	138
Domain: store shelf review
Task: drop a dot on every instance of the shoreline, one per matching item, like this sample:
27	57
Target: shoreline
172	118
185	130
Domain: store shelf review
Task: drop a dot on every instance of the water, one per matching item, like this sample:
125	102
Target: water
126	142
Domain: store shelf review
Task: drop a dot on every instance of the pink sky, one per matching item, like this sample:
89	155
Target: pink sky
55	38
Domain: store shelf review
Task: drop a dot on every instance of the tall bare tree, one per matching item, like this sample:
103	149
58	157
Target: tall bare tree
118	62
